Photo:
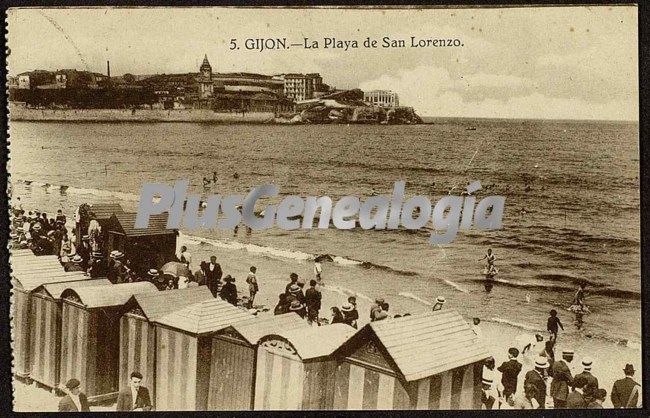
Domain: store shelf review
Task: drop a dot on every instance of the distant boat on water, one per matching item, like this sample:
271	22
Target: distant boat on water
471	128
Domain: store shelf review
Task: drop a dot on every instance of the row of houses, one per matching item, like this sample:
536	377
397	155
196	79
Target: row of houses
239	92
200	353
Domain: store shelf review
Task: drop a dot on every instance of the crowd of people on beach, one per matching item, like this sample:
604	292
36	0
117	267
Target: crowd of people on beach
549	382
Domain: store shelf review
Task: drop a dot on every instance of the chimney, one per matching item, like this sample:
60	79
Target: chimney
108	69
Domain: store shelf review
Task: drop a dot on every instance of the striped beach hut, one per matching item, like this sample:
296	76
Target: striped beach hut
151	246
46	330
90	335
296	369
428	361
137	331
234	359
28	273
184	349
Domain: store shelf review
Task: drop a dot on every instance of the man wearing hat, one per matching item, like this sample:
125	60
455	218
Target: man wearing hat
562	379
156	278
440	301
74	264
589	379
625	392
97	267
535	377
229	290
117	271
74	400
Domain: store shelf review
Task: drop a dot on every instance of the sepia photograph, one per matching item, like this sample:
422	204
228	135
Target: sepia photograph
324	208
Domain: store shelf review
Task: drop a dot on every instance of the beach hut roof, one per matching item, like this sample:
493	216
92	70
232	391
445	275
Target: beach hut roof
427	344
103	211
154	305
32	262
54	290
125	222
29	280
254	329
205	316
314	342
18	252
103	296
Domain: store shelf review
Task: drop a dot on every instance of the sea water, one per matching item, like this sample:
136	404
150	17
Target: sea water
571	213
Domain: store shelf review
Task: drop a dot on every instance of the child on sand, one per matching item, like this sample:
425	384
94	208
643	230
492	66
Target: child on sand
553	323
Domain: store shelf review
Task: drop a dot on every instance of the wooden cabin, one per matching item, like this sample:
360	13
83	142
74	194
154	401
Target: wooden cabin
46	330
183	352
296	369
137	331
103	213
146	248
90	335
428	361
28	273
234	359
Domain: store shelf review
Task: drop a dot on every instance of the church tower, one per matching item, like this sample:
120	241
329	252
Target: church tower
206	68
205	79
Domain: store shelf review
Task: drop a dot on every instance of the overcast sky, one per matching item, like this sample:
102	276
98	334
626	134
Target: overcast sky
575	63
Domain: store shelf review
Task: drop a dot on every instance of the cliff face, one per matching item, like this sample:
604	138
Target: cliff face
348	107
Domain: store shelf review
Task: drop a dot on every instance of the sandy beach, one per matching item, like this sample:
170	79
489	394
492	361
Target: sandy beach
273	274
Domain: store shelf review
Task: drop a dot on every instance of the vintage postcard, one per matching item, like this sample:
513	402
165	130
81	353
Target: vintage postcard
222	208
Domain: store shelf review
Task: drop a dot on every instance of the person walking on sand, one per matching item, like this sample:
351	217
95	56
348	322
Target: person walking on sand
253	287
318	271
74	400
553	323
213	276
625	392
535	377
313	301
562	379
509	373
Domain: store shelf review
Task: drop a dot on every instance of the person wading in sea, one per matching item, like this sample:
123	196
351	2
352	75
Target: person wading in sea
490	270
